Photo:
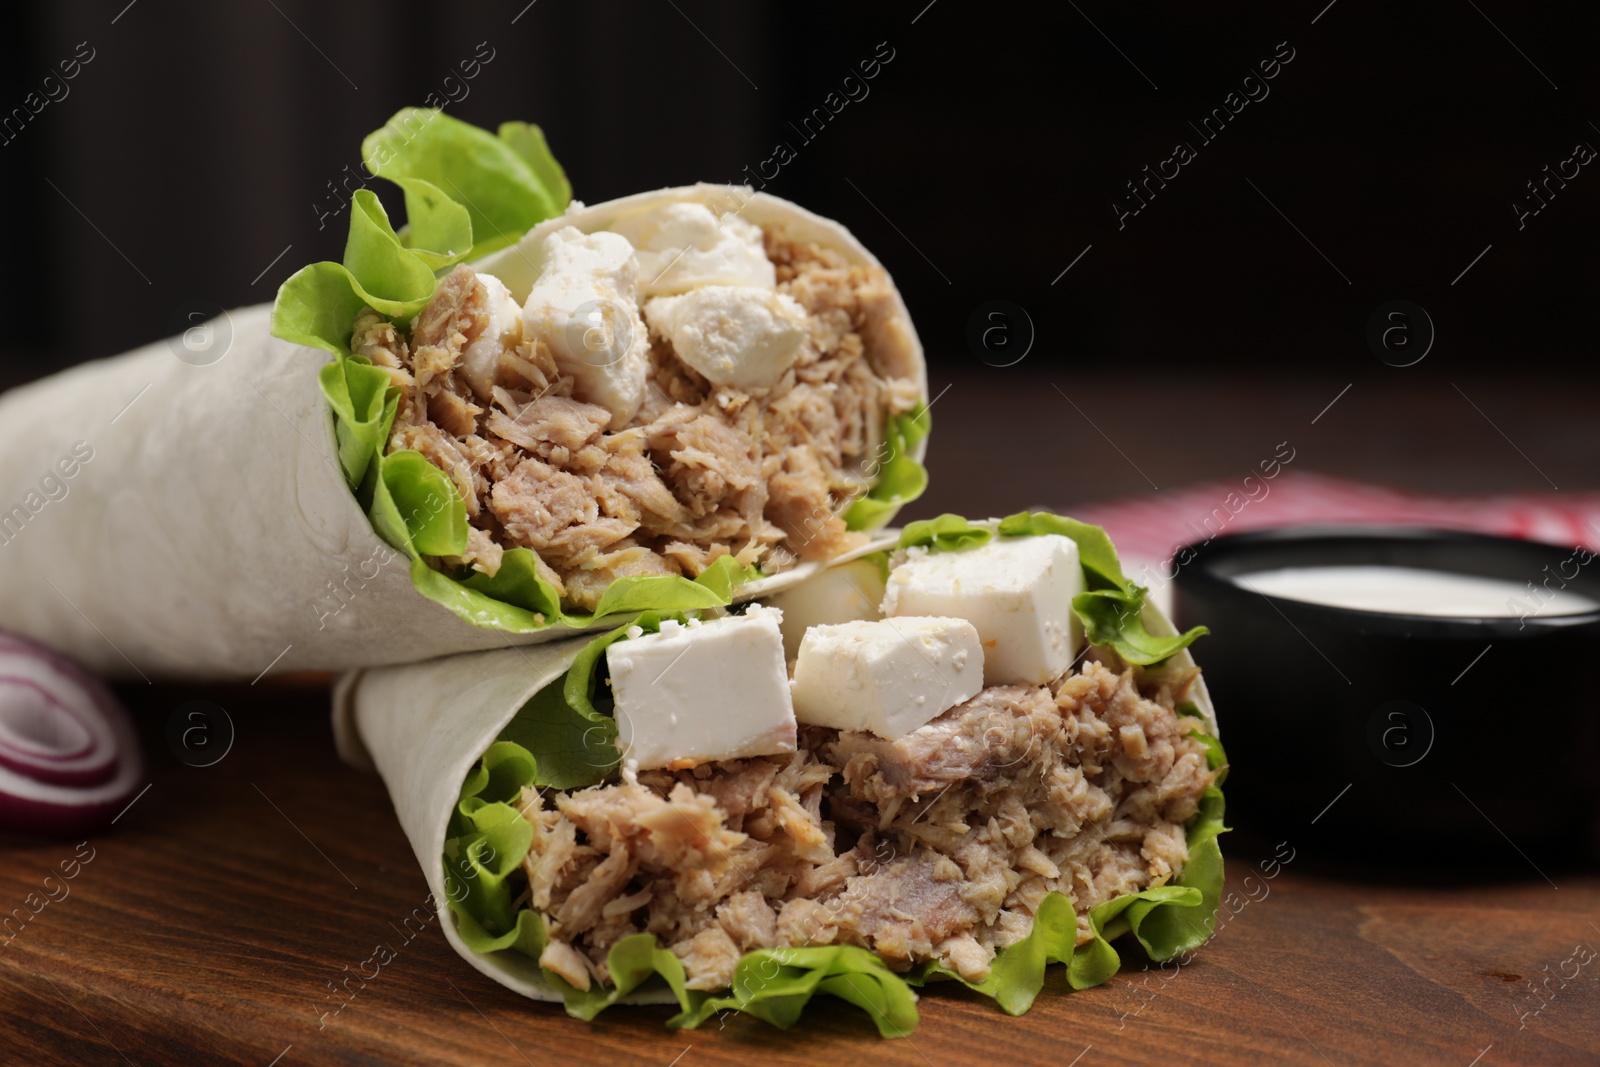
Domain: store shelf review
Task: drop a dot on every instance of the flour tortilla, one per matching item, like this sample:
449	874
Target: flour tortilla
212	535
424	726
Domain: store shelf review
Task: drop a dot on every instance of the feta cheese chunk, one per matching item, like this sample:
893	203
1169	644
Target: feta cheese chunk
703	691
684	246
585	308
889	676
1017	592
502	330
844	593
734	335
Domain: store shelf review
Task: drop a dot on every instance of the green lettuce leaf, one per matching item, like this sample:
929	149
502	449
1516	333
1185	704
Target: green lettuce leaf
581	684
901	479
947	533
527	141
1215	757
518	601
498	778
1097	961
389	277
1017	974
775	985
1116	618
518	583
488	840
468	603
411	505
317	306
467	191
504	193
632	961
1166	932
438	230
1096	553
319	303
416	508
723	576
526	936
364	407
481	861
1112	610
575	749
574	741
650	592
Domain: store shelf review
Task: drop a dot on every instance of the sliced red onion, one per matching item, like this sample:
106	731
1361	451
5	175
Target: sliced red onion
69	758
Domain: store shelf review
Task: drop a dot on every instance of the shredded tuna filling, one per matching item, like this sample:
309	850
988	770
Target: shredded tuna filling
697	474
936	846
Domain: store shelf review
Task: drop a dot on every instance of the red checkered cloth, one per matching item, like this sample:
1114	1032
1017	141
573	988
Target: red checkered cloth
1147	529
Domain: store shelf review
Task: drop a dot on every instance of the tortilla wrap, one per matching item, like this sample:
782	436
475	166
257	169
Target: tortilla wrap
205	529
424	726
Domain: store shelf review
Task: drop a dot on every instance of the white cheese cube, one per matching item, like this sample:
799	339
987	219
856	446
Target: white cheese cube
734	335
844	593
1018	593
701	692
889	676
684	246
502	329
584	306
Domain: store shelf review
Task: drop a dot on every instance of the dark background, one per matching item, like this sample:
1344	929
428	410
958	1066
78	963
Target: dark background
199	144
201	141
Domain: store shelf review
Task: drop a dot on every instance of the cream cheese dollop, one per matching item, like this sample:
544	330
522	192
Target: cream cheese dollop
503	330
734	335
683	246
584	306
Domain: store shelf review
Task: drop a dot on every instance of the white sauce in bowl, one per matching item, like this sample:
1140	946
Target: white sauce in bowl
1415	591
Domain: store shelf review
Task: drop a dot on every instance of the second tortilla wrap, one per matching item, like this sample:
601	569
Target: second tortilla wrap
424	727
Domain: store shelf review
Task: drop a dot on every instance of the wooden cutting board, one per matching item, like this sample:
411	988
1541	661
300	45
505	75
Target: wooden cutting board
218	919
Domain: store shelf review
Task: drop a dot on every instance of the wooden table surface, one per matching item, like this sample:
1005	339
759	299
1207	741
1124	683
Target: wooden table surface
212	918
215	917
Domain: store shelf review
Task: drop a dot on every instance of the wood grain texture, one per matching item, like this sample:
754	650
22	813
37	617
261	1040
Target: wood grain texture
214	919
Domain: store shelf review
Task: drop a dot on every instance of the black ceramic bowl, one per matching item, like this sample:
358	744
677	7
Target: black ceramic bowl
1435	738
